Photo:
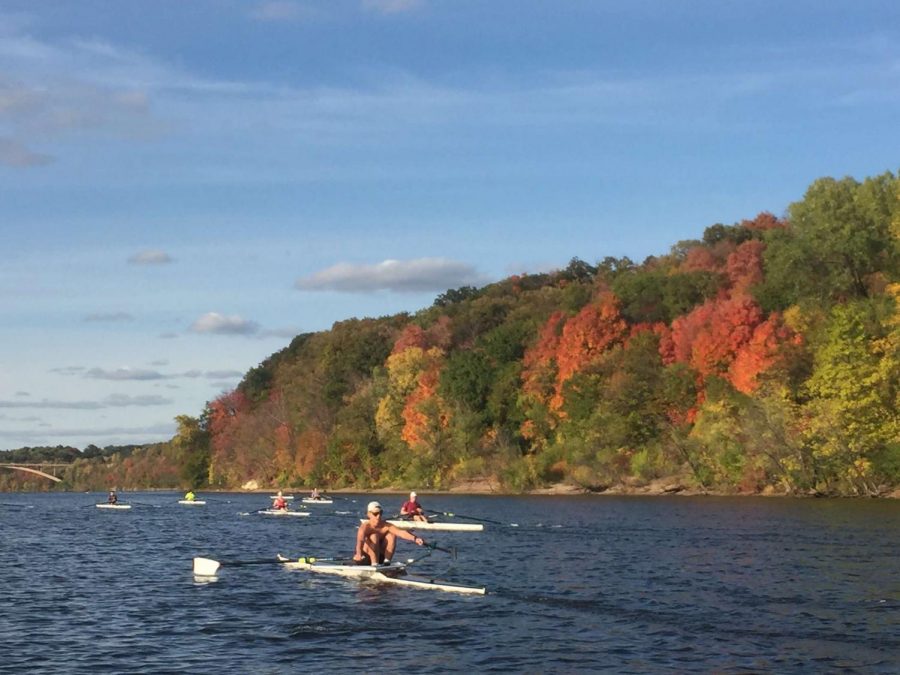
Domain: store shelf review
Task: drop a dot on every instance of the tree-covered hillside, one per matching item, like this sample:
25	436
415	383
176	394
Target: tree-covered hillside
763	356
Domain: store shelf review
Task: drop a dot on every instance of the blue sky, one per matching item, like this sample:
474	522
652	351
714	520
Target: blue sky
185	184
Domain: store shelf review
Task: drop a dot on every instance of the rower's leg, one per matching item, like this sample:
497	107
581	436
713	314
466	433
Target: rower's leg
372	547
390	545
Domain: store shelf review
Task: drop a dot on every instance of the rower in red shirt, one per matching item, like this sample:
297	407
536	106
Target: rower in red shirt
279	504
412	509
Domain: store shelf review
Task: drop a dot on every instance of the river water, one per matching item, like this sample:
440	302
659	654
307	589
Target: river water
588	583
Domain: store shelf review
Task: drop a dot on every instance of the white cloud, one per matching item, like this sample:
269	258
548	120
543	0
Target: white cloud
150	256
219	324
420	275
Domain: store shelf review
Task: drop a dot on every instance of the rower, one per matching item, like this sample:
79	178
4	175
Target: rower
190	496
315	494
280	504
412	509
376	538
113	498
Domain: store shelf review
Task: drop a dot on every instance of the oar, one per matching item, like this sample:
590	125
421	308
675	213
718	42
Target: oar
460	515
207	567
435	547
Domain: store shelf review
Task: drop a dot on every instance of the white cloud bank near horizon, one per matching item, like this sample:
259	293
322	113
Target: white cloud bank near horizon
402	276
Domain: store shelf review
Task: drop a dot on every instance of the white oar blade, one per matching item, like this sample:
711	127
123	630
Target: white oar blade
206	567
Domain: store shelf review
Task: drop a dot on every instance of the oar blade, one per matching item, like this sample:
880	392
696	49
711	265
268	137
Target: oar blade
206	567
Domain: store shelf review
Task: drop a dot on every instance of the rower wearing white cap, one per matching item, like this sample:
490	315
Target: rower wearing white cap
412	509
376	538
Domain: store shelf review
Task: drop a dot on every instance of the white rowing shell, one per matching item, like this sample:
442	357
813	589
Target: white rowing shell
282	512
395	574
114	506
287	497
310	500
192	502
447	527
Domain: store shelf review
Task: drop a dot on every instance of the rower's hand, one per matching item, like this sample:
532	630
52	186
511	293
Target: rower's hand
419	541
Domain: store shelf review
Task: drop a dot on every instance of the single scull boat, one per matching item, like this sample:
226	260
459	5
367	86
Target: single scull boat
192	502
282	512
311	500
119	507
392	573
422	525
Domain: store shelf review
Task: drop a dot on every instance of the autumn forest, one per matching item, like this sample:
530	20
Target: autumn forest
763	357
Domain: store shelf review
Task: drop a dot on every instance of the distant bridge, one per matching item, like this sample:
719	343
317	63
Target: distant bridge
30	469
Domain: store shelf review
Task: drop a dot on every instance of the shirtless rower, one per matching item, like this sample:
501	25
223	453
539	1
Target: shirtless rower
376	538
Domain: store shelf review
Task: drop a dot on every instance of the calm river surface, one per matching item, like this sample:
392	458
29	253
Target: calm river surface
610	584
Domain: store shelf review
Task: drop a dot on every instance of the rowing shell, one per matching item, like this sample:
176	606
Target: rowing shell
114	506
282	512
287	497
393	573
310	500
192	502
447	527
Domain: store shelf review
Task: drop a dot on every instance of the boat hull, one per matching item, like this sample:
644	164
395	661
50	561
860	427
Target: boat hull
192	502
447	527
393	574
283	513
115	507
310	500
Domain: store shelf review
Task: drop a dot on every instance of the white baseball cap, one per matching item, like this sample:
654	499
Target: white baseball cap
412	494
373	507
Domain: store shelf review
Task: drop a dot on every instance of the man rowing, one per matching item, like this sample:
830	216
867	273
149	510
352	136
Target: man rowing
376	538
412	509
113	498
189	496
279	503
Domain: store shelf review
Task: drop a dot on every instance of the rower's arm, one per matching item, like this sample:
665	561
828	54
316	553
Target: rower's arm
360	538
406	534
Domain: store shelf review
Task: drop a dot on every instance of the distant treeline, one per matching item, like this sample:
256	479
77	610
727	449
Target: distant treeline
764	356
94	468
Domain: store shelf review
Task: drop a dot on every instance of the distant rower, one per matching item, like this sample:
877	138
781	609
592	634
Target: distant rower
280	504
113	498
412	509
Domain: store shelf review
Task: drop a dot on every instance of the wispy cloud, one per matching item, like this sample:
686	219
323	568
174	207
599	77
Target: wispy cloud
392	6
120	374
282	10
15	154
111	401
110	317
150	256
219	324
102	435
422	274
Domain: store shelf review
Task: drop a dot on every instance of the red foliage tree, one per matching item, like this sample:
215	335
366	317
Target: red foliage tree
412	335
726	337
745	266
764	221
585	336
700	259
539	360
